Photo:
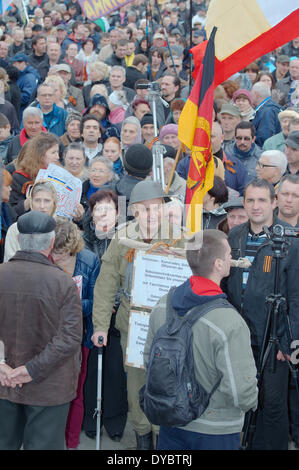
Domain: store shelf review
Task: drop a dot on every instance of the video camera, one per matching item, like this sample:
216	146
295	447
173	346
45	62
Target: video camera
152	86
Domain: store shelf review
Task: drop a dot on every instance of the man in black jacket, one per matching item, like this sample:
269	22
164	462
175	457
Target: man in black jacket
247	290
39	58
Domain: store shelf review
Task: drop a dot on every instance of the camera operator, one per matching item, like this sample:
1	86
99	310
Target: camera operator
247	290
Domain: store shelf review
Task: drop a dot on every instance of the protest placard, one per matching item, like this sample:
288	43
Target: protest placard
137	333
68	189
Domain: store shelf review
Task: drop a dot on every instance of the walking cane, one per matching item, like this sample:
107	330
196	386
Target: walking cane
99	393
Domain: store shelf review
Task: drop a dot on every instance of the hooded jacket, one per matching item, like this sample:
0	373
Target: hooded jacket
222	353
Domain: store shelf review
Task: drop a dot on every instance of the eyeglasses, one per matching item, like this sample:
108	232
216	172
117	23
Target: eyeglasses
262	165
98	171
247	139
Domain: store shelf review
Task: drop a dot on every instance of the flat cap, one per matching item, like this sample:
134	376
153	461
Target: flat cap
233	203
36	222
283	59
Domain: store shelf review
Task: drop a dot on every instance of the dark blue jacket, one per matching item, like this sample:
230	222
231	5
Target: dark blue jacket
28	80
266	121
87	266
236	175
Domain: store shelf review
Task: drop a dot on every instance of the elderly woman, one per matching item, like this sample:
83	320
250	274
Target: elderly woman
83	266
169	135
40	152
75	161
99	227
42	198
72	125
101	174
130	133
277	141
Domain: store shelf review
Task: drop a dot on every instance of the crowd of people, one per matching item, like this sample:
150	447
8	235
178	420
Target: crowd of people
78	94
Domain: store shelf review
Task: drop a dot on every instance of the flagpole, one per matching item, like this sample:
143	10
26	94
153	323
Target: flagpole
166	37
190	43
178	154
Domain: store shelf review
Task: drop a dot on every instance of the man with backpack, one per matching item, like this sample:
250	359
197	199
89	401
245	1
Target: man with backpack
221	357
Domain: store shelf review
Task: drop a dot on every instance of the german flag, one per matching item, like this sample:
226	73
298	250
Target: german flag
195	133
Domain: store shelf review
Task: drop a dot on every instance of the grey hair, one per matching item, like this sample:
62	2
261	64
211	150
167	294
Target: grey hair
44	84
291	178
261	89
35	241
32	111
74	146
118	67
277	158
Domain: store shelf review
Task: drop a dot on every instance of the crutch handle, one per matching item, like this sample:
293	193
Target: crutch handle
100	341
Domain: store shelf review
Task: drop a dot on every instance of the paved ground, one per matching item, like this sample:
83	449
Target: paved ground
128	441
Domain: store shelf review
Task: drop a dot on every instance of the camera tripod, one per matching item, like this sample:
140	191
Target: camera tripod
277	308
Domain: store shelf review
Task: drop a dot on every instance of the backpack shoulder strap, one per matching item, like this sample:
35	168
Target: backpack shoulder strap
200	310
170	312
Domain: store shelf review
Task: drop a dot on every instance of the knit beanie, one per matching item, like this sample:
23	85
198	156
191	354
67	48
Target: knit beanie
138	160
148	118
72	116
244	92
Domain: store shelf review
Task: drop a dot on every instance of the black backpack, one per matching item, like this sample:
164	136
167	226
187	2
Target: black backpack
171	395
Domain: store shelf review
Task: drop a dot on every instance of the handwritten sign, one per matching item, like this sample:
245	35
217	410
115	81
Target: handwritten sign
137	333
68	189
94	9
154	275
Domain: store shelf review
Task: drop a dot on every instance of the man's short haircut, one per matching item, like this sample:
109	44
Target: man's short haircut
118	67
203	249
140	59
32	111
49	85
294	179
261	183
88	117
37	38
246	125
4	122
121	43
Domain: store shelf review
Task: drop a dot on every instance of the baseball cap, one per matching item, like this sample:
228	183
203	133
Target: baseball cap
19	57
283	58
